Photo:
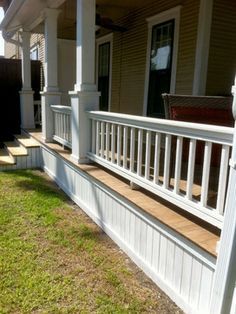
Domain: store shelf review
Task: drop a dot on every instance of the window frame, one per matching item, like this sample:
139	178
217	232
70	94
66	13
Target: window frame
100	41
165	16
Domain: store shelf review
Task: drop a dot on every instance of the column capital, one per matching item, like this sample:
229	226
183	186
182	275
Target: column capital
25	36
51	13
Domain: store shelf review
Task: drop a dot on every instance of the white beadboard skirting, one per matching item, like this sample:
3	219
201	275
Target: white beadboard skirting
181	269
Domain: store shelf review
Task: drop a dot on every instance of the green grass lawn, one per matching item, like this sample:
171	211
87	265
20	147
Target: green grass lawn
53	259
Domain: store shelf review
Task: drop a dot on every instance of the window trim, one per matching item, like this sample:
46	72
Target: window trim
99	41
34	48
165	16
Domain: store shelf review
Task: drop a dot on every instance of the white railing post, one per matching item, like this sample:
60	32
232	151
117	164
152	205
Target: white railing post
50	95
85	96
26	94
225	274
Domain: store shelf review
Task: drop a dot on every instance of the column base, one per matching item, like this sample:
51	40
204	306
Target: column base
81	102
27	109
80	161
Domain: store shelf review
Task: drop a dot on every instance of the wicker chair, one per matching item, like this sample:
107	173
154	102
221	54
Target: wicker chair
200	109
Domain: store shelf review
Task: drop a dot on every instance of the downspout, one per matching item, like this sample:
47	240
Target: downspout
7	36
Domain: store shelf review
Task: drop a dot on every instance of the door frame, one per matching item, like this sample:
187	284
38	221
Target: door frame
165	16
100	41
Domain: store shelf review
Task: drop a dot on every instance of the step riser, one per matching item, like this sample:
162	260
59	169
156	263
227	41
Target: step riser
33	160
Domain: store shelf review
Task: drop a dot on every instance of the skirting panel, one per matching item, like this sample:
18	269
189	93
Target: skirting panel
181	269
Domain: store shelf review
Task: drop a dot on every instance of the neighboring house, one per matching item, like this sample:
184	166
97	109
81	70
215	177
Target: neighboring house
131	52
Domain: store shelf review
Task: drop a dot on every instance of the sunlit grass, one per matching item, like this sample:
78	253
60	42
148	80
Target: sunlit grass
54	260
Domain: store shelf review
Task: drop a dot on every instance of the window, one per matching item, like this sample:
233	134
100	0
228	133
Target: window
104	52
162	48
34	53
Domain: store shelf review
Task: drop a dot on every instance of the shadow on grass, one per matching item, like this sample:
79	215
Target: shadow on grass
43	187
38	183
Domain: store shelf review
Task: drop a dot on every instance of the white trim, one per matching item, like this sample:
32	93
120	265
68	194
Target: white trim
100	41
202	47
162	17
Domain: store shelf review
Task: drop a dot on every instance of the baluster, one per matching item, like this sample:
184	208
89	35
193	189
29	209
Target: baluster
93	136
63	125
119	128
70	130
132	149
113	140
125	144
191	167
140	152
166	178
148	154
107	140
178	163
97	137
102	138
54	121
157	157
222	179
67	128
206	173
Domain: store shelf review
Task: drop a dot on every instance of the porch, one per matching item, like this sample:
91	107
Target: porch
163	190
176	249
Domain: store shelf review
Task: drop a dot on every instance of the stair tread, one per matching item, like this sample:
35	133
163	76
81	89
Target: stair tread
15	150
5	159
26	141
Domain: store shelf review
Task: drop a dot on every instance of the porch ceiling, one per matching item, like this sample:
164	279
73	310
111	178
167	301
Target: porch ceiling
28	14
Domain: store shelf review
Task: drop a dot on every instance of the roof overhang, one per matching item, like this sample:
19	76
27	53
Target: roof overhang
26	14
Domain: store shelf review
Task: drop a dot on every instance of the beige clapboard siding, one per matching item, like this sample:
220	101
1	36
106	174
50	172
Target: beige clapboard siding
222	54
12	51
130	50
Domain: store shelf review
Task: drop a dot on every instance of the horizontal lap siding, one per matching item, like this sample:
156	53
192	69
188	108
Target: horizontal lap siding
182	270
130	49
222	54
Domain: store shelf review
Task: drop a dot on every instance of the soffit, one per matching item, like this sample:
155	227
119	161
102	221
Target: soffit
29	14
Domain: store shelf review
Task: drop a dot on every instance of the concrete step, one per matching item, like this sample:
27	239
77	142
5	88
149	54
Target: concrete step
26	142
5	159
15	149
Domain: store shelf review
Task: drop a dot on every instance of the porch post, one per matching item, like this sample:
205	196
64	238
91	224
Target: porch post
225	274
50	95
26	94
85	96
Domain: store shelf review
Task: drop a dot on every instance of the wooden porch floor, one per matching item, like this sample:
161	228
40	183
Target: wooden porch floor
190	227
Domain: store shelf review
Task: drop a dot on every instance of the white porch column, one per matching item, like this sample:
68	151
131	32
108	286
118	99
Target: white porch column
225	274
50	95
202	47
85	96
26	94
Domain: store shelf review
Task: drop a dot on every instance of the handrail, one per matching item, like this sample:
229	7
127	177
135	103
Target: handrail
62	109
205	132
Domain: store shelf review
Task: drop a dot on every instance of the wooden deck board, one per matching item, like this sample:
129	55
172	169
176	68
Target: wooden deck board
188	226
26	141
15	150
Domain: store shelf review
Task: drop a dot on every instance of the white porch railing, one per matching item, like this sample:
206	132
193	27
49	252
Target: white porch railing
62	124
146	150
